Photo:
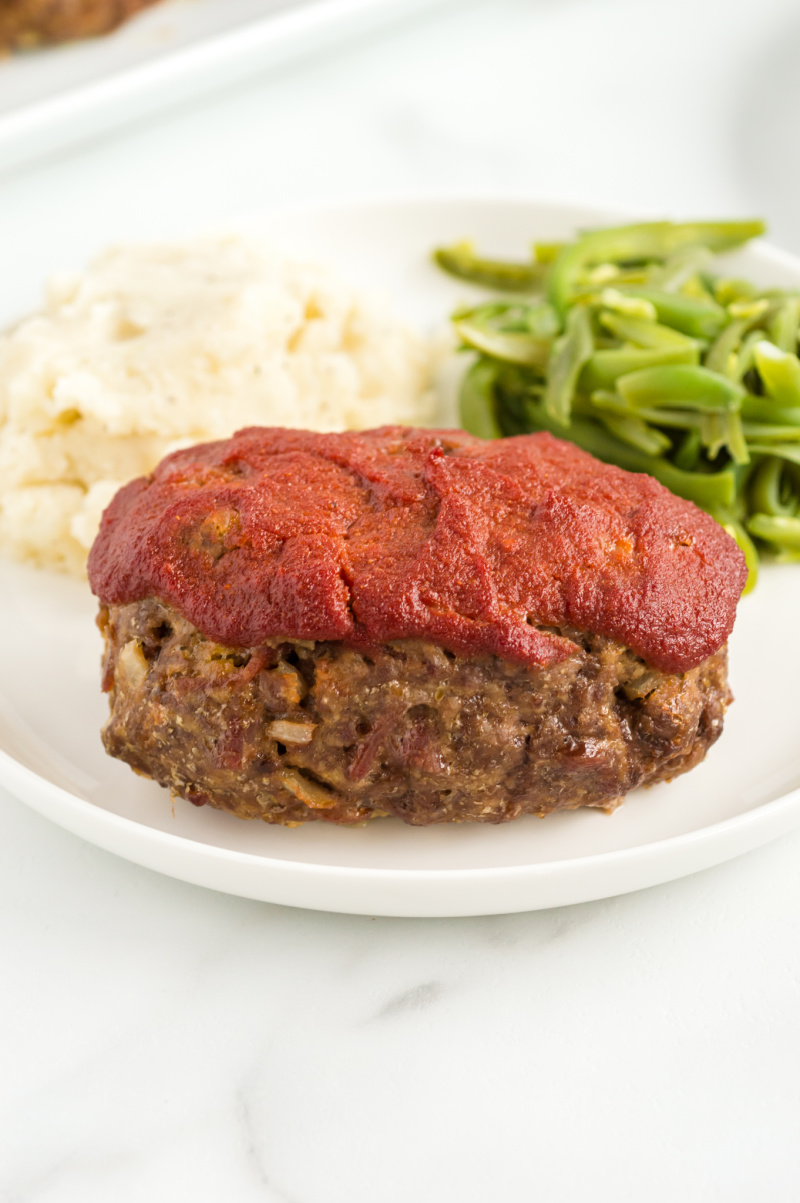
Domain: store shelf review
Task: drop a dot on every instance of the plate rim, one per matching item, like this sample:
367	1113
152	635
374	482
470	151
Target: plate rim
730	826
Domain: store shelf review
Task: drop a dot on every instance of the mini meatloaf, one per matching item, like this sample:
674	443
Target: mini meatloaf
415	623
27	23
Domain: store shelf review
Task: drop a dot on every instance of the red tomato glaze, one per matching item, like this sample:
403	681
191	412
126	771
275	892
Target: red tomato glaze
401	533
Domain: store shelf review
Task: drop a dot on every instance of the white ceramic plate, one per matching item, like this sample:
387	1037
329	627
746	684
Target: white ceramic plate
51	709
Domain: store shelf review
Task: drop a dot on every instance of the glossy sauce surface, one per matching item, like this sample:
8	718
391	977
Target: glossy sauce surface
402	533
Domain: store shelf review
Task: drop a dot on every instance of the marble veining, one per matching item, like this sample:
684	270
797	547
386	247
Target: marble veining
417	998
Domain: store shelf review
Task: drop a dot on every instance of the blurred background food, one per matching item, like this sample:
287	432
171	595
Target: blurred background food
28	23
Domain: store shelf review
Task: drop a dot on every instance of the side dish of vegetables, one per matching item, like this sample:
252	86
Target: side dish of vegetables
626	342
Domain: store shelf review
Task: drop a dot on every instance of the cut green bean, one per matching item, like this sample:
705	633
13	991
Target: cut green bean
783	328
761	409
728	290
637	433
746	359
513	347
767	492
763	432
753	309
477	401
697	317
785	532
628	306
547	252
688	454
569	355
646	334
715	429
542	321
643	241
461	261
604	368
725	430
682	386
721	355
786	451
679	267
780	373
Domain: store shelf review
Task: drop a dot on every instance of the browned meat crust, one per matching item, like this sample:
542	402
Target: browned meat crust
292	730
27	23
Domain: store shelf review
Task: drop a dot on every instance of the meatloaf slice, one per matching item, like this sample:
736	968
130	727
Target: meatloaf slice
294	730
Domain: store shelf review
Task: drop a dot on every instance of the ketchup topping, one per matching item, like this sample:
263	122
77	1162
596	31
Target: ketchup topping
401	533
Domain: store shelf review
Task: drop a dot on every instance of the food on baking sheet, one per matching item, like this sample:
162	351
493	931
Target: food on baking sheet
28	23
625	343
415	623
159	347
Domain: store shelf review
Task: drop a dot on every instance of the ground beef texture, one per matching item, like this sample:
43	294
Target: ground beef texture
290	731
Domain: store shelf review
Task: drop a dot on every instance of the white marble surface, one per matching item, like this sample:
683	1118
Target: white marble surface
165	1043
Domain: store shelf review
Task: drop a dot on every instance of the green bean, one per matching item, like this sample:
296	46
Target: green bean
683	386
780	373
679	267
784	325
753	309
728	290
547	252
716	429
613	403
781	530
688	454
513	317
700	286
725	430
765	432
542	320
746	359
644	241
461	261
643	333
513	347
477	400
721	356
604	368
570	353
704	489
628	306
513	397
766	491
637	434
761	409
788	452
695	316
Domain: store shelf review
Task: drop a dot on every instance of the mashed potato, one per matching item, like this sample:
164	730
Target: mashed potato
158	347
